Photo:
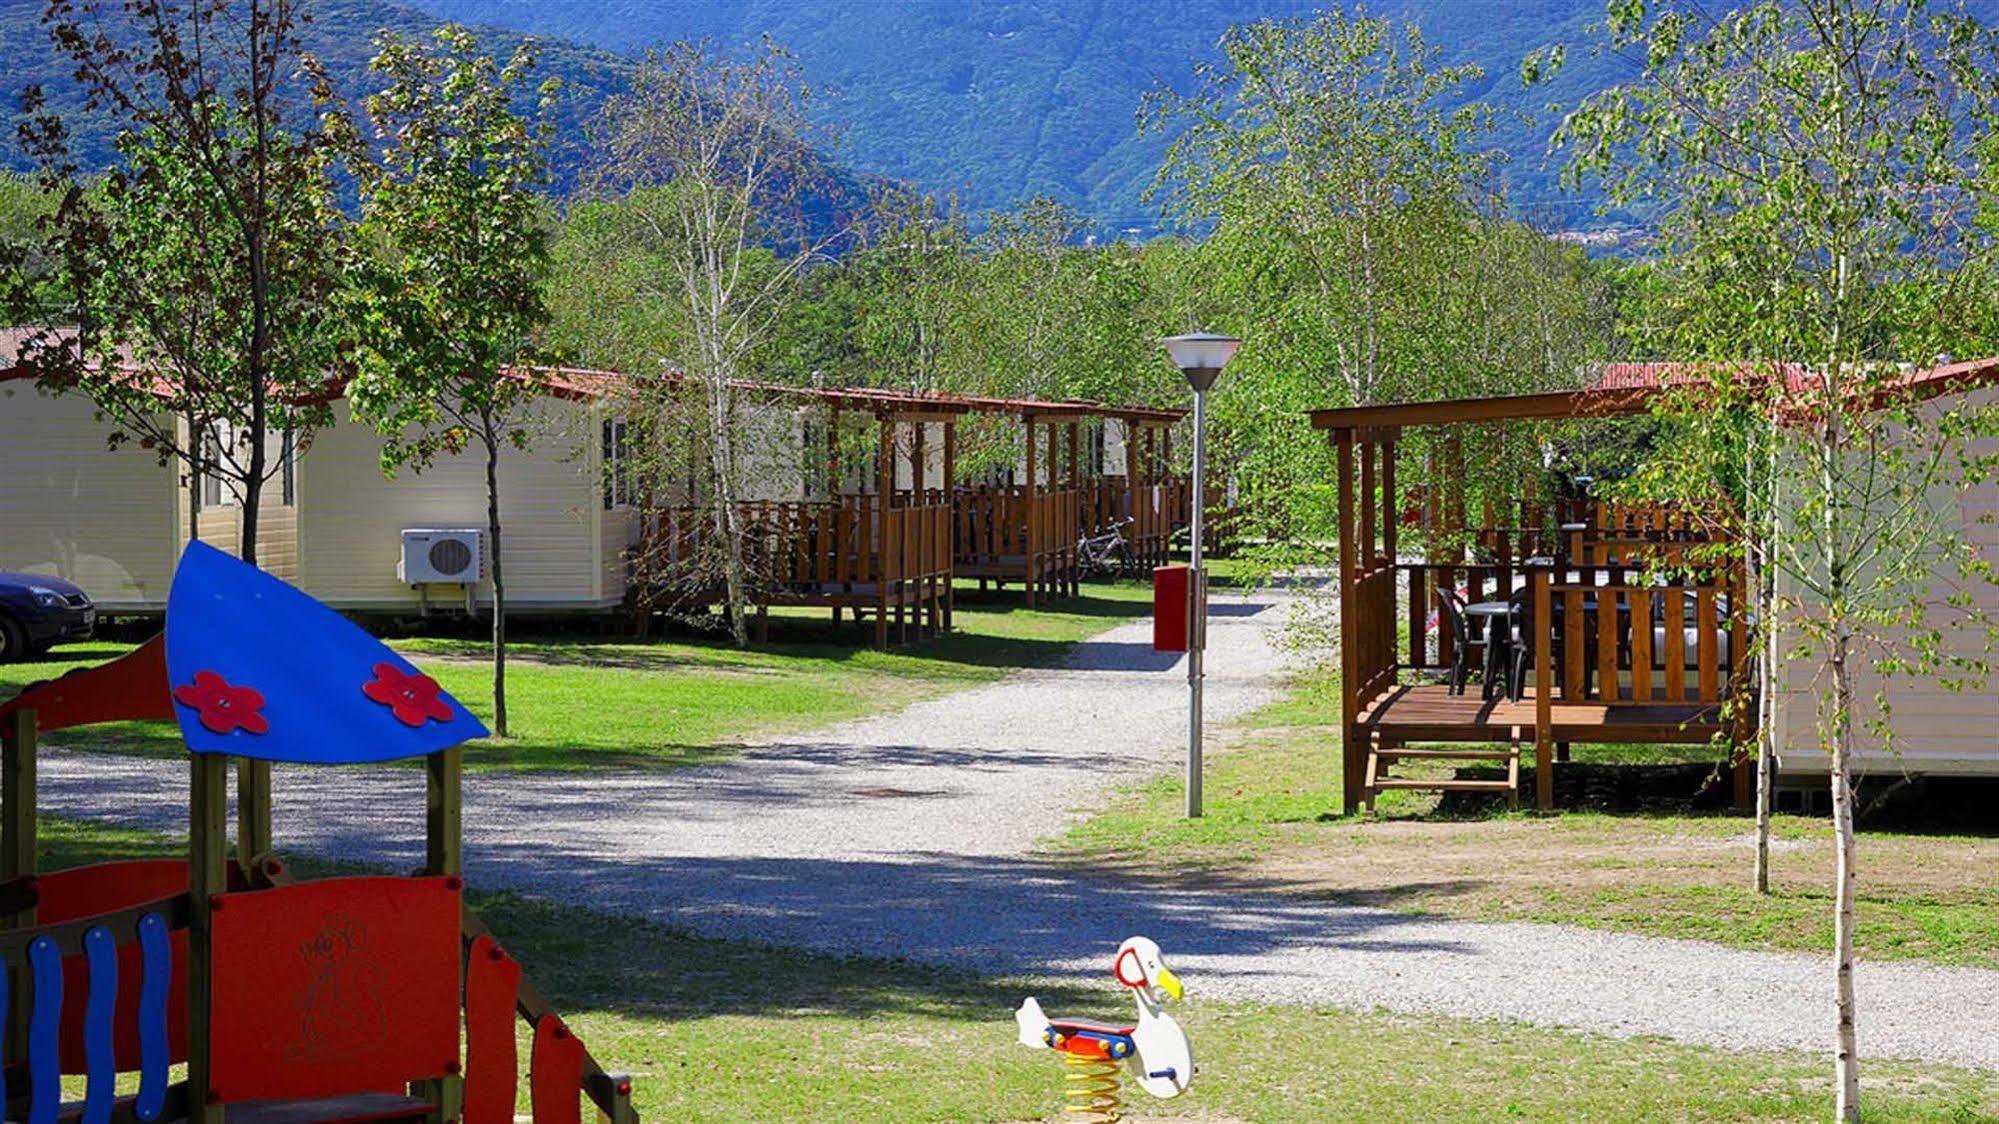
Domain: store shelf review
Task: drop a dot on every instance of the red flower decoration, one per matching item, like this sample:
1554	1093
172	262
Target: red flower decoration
411	698
223	708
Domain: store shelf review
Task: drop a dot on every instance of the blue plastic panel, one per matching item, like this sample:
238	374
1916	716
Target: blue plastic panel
258	669
100	1012
45	1033
156	969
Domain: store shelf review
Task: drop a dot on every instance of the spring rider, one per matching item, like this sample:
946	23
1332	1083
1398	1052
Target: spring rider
1154	1048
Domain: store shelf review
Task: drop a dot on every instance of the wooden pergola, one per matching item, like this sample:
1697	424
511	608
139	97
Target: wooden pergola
1596	675
1153	503
1027	532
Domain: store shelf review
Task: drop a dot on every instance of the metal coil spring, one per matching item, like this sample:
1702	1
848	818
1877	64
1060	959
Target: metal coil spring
1090	1089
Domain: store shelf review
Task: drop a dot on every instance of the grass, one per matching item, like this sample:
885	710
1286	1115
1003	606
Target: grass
1272	822
587	703
726	1031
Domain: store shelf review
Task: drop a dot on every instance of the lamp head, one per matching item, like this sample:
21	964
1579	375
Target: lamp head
1201	356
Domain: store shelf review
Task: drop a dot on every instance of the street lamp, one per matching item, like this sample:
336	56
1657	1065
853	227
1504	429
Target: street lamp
1200	357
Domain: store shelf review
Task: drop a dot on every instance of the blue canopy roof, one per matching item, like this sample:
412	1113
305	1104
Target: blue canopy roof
258	669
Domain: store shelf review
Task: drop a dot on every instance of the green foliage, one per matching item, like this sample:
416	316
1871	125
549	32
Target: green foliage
449	193
210	257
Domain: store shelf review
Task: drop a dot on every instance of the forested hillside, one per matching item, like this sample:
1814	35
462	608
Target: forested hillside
1006	99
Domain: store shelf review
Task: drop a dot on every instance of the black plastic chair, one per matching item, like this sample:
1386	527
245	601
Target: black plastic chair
1451	609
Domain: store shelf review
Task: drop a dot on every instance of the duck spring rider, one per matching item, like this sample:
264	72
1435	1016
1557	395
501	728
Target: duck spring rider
1153	1048
338	999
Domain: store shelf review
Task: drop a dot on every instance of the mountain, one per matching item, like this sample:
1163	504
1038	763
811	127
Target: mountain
1001	100
340	33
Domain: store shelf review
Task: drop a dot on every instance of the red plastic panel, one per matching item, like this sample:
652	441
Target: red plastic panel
132	686
86	891
492	1060
341	986
1169	608
556	1078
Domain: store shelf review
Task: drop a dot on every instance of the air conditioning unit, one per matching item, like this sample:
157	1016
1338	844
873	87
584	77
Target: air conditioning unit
457	556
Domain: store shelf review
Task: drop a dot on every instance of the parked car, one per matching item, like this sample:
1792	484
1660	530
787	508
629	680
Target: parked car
37	612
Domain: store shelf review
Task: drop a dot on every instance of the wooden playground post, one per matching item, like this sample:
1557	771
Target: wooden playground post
444	855
207	876
253	811
17	809
17	854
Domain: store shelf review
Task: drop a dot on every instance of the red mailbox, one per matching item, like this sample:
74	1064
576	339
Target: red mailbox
1176	608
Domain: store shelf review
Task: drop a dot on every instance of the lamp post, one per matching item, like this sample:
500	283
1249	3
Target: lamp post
1200	357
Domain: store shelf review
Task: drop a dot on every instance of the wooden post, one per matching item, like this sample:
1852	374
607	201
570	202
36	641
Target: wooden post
833	452
444	855
951	510
443	820
1544	688
919	472
885	488
208	876
1031	506
1353	752
17	807
17	852
253	812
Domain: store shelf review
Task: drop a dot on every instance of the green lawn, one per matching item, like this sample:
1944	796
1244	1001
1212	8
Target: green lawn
1272	819
580	703
728	1031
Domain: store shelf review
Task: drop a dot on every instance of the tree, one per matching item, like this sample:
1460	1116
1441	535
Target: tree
453	301
705	168
1312	149
201	272
1818	163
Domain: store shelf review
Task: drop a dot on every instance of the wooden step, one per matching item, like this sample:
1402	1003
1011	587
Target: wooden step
1444	784
1449	754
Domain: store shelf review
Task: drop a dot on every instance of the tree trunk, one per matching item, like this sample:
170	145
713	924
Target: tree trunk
253	500
735	584
1846	1060
499	580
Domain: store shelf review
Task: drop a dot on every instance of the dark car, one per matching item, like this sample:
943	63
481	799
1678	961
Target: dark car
37	612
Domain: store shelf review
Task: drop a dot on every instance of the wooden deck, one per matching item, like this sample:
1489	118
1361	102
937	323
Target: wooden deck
1432	713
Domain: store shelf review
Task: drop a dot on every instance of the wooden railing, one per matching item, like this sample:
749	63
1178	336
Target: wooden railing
796	545
1619	637
1040	527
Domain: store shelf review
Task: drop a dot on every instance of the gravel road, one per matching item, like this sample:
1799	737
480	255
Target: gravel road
908	834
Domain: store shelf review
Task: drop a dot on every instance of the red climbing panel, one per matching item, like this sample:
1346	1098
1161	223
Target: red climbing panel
345	985
130	687
556	1077
492	1060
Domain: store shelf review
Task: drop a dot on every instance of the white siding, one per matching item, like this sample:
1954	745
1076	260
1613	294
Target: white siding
69	506
551	507
1937	730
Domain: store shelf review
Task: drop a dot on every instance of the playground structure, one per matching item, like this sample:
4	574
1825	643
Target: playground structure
1153	1048
337	999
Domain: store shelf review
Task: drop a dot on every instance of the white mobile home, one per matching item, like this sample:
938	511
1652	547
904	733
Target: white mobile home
1938	730
115	521
112	521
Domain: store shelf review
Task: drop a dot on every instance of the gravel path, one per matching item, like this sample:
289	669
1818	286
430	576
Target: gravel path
907	834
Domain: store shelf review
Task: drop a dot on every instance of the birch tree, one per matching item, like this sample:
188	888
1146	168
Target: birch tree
1818	167
707	162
